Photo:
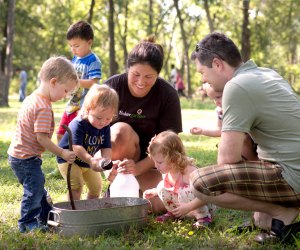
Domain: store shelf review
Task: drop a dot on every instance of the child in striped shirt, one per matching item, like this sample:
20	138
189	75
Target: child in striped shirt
35	126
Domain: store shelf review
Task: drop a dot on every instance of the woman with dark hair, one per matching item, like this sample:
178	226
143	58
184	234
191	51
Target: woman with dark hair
148	105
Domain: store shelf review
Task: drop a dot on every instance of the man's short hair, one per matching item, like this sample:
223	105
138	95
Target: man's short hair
217	45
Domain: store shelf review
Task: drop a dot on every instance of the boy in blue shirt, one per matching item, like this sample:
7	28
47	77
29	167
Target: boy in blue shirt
88	66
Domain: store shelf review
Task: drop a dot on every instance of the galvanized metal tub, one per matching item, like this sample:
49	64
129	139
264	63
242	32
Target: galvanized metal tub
93	217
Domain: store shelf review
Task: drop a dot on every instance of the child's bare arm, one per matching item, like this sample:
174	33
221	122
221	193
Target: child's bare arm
106	153
87	83
214	132
150	193
185	208
83	154
103	153
86	157
45	141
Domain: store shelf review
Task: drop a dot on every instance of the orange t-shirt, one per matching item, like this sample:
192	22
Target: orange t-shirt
35	116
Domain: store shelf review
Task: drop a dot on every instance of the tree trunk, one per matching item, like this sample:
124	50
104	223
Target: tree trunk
209	19
5	78
185	45
169	49
123	35
4	10
246	32
125	51
91	12
293	37
113	66
150	26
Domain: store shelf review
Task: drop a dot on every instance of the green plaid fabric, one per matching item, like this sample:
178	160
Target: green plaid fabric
257	180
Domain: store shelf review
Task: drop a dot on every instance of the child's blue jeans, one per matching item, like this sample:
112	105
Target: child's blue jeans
34	205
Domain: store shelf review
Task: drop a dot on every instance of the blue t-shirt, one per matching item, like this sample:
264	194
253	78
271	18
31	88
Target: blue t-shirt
88	67
87	136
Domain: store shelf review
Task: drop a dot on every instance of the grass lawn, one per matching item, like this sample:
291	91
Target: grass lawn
172	235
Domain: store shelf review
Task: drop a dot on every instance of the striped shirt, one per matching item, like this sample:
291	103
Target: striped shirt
35	116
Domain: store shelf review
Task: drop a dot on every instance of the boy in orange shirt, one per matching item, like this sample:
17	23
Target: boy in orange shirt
35	126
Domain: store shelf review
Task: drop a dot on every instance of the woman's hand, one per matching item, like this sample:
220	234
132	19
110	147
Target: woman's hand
127	167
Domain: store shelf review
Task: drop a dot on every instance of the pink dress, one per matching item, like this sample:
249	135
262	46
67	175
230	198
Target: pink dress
172	195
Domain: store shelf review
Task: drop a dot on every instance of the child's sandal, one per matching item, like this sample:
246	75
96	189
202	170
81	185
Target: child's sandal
202	222
165	217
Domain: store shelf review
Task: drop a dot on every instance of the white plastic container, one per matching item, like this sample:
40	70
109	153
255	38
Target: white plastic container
124	185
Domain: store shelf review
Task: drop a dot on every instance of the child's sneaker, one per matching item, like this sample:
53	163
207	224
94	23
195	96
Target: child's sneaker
34	226
165	217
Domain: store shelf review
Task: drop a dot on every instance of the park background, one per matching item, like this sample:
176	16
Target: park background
32	30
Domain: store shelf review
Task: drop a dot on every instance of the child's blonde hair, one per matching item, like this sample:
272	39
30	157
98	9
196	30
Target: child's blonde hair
60	68
211	93
171	147
99	95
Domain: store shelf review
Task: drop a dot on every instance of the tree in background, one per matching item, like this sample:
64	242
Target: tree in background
7	52
113	65
91	12
122	24
245	52
208	15
186	60
268	29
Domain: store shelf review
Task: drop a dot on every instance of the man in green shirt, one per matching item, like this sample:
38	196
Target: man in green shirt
259	102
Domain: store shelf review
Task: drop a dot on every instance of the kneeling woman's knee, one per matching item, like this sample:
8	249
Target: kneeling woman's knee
122	133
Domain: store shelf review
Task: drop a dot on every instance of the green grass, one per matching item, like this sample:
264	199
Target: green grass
173	235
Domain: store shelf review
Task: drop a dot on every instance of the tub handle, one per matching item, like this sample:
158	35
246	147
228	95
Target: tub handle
52	222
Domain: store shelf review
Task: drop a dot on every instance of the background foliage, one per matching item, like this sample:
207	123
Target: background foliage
40	28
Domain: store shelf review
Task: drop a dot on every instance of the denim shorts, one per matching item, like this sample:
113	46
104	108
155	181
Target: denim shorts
34	205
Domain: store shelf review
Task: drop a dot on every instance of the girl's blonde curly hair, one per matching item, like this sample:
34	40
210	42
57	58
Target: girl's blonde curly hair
171	147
